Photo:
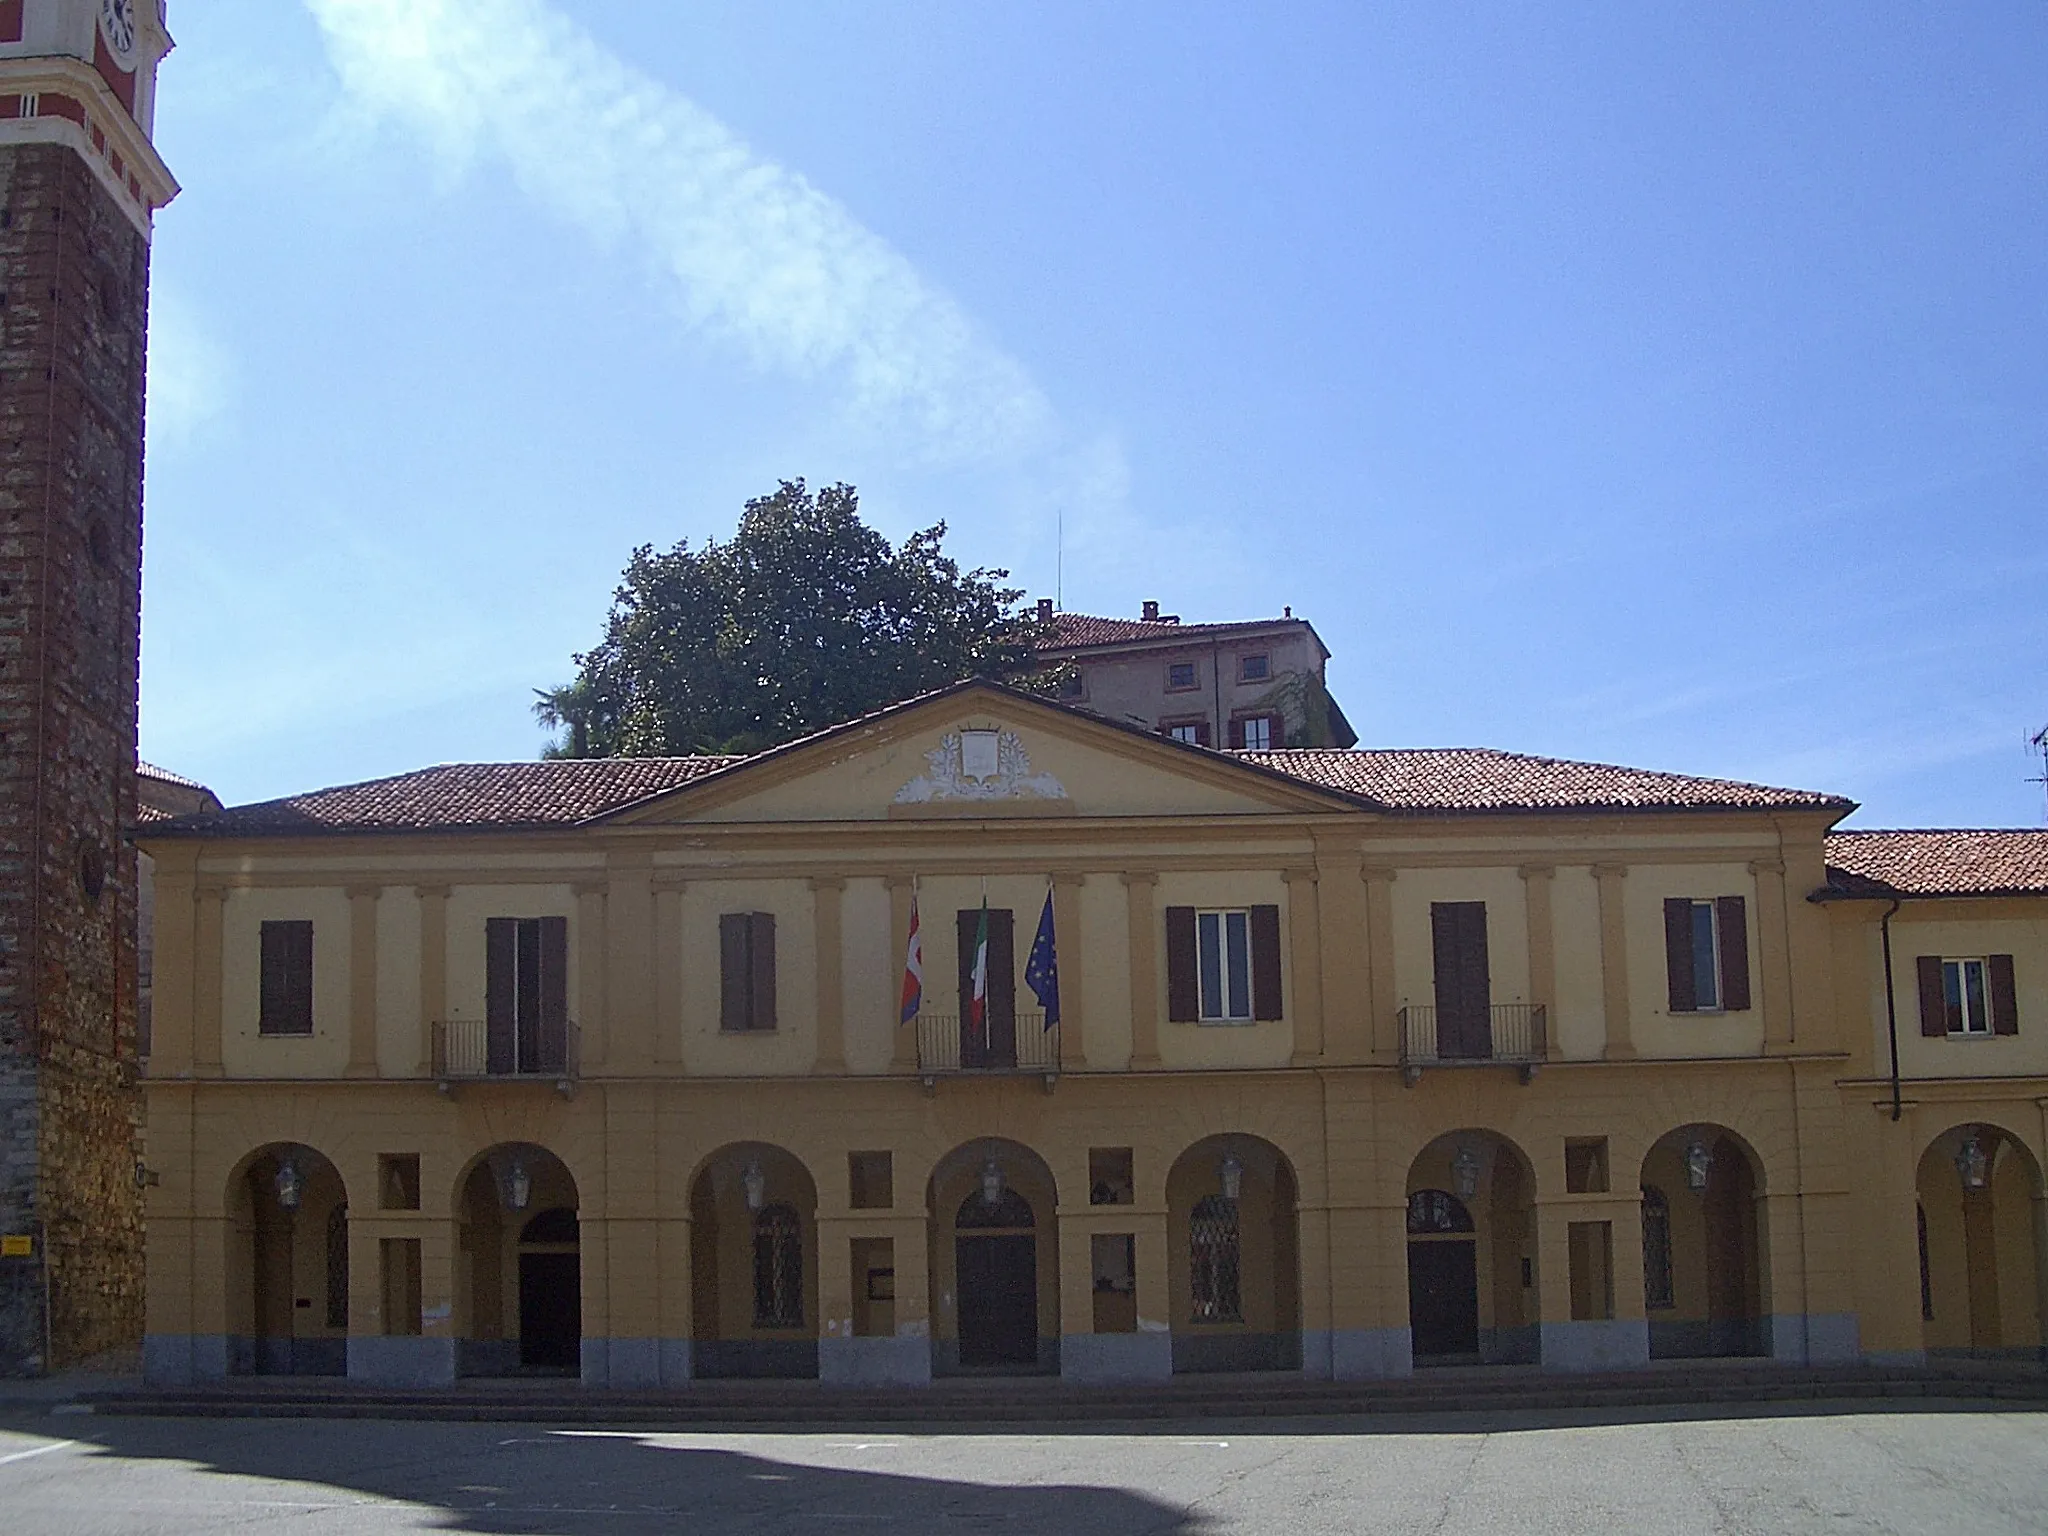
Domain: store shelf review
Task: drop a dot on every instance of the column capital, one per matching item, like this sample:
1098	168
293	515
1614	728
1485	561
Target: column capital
211	890
897	880
827	882
363	892
589	887
1609	871
1296	874
1537	871
1378	874
1138	877
1767	866
1068	877
432	892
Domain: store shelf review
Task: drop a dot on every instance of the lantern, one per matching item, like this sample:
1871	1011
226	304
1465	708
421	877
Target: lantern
1699	1160
518	1184
755	1183
289	1183
1465	1173
1230	1174
1973	1163
991	1183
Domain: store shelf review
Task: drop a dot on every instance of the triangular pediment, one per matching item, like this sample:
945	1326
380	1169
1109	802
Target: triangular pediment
979	751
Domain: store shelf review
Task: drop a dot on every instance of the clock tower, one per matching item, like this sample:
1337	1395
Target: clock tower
79	184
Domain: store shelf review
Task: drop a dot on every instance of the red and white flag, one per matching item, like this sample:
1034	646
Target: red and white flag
913	968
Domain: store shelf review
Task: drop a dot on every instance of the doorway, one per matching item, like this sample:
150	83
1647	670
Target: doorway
1464	986
550	1293
1443	1278
995	1266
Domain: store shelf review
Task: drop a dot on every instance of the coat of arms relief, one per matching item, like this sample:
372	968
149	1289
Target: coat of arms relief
979	765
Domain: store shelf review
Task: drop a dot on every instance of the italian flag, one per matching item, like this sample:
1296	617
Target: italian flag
977	1002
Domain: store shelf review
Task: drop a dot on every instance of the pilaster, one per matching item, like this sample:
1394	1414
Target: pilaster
1308	944
207	942
628	920
1066	918
1536	887
592	960
827	895
433	901
362	980
1614	980
1140	892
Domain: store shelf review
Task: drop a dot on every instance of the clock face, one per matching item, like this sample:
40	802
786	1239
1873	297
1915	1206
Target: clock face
117	21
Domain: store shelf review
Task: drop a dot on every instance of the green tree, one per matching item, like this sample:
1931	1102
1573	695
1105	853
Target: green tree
806	618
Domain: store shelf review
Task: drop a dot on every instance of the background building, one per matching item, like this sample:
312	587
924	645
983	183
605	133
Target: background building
79	184
1256	683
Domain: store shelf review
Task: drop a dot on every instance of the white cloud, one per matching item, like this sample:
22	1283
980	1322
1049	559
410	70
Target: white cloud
189	371
755	253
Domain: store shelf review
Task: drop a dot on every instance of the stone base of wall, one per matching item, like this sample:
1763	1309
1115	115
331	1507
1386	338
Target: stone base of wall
1817	1338
181	1359
1370	1354
1115	1359
946	1361
1201	1353
755	1359
21	1316
402	1362
891	1362
637	1362
1614	1345
1704	1339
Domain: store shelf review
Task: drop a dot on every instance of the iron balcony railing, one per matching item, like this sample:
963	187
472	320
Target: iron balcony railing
464	1052
945	1047
1508	1034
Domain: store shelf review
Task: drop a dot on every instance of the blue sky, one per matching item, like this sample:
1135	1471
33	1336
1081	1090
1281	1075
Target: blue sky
1656	385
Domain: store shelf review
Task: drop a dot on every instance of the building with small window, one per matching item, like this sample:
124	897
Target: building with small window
987	1035
1256	685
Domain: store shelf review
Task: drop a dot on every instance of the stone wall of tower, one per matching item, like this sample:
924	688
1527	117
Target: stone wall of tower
74	273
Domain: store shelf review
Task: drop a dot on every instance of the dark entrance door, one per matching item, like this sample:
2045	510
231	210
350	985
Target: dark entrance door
997	1283
993	1042
1443	1298
550	1310
1464	987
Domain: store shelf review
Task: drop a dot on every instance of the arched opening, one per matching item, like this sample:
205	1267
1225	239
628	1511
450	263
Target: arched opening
1472	1294
994	1256
1233	1257
519	1265
287	1264
754	1264
1703	1246
1980	1257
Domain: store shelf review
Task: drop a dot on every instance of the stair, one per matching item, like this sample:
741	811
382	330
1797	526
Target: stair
1038	1400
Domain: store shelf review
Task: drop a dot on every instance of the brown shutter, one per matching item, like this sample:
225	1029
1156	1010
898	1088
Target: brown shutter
1678	954
1731	919
301	973
1933	1004
2005	997
1183	995
285	1004
554	994
501	989
1236	735
761	947
1266	963
1202	733
1002	986
733	980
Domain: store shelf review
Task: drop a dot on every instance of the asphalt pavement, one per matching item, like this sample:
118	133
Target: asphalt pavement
1954	1472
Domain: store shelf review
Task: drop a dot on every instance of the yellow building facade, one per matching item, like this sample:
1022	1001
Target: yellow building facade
1358	1062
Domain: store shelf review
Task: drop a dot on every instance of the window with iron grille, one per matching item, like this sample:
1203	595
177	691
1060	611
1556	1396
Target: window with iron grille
1656	1248
1213	1261
778	1268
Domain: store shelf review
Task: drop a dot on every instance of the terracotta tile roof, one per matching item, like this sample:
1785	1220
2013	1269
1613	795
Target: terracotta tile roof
1071	631
1958	861
164	775
1465	780
461	796
148	813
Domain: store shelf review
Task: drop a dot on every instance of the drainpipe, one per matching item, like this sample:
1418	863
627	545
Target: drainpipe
1891	1004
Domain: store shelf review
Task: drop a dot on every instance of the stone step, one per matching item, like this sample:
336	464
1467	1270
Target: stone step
1040	1402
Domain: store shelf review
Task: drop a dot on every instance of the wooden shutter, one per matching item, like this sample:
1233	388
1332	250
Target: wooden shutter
554	994
1678	954
1933	1003
1266	962
1202	733
733	980
274	1009
300	990
1002	986
285	1003
1732	921
501	991
1236	735
2005	998
529	994
761	967
1183	995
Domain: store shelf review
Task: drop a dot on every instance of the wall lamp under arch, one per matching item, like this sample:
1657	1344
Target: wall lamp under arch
1699	1162
991	1183
515	1184
290	1184
1230	1175
755	1184
1465	1172
1973	1162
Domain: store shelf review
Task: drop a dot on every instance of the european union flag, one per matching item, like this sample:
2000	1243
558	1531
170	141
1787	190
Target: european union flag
1042	970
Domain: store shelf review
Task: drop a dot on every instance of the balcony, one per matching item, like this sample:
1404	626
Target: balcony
1014	1046
466	1051
1506	1034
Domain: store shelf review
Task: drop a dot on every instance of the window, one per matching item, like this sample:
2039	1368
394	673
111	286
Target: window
1213	1281
1706	950
1194	732
1223	966
746	971
1254	669
1224	945
1656	1249
1256	733
286	1005
1180	677
778	1268
1968	996
526	995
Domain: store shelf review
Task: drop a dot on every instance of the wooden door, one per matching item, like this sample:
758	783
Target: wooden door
996	1280
1443	1297
550	1310
1464	984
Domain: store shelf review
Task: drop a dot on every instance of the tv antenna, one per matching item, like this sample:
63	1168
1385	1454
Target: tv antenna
2039	742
